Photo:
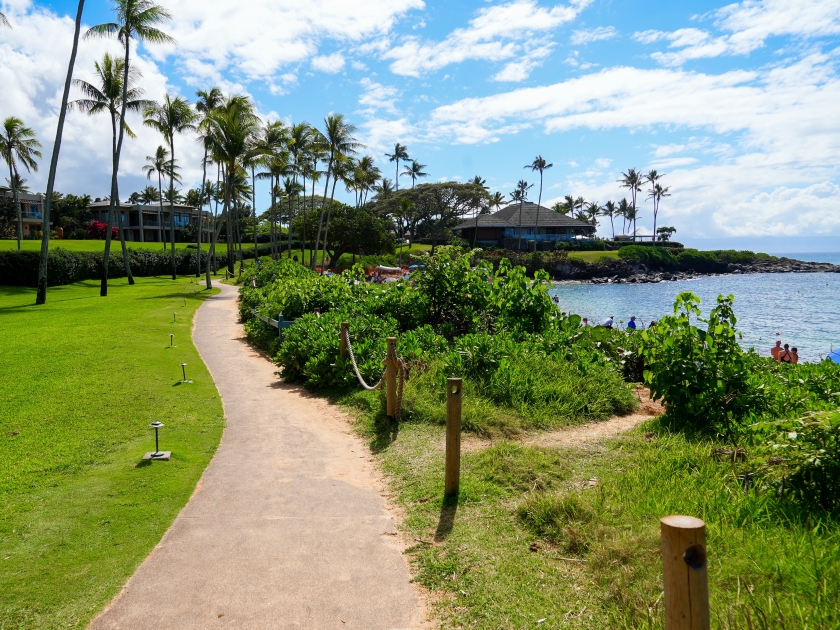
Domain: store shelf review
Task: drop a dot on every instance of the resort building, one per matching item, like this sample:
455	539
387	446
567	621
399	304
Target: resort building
142	222
31	209
501	229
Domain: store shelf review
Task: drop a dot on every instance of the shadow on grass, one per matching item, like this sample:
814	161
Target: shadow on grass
447	517
385	432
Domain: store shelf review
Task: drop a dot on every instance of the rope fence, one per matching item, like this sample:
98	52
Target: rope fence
393	377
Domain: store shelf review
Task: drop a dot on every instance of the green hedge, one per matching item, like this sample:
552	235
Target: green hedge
20	268
656	256
701	261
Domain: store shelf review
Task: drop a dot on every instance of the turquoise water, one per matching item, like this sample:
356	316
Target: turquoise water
803	307
829	257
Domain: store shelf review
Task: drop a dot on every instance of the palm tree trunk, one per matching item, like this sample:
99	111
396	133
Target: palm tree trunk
519	240
303	231
539	201
212	252
162	232
16	200
273	219
126	263
228	233
655	211
289	235
200	210
254	208
172	200
321	219
327	228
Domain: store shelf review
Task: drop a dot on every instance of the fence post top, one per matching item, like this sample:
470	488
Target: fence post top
682	522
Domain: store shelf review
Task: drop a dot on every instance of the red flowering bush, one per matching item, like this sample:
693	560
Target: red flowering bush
97	229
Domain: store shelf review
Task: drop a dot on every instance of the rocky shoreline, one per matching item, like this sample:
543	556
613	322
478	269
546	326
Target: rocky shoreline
624	271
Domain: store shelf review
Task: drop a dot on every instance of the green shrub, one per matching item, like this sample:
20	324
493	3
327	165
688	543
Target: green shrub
700	261
654	256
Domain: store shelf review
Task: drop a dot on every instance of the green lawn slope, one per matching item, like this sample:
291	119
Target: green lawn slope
82	378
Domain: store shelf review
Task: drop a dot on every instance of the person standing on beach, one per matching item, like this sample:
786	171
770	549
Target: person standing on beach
785	356
775	350
632	323
794	355
608	323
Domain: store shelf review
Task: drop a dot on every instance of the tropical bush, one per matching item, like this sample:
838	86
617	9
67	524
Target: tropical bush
656	256
701	261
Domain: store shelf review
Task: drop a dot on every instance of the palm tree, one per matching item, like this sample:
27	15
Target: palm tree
520	195
343	168
497	200
338	140
384	189
41	297
136	19
274	141
365	176
4	21
415	171
106	97
610	210
592	212
623	210
539	164
162	166
171	116
632	180
301	140
479	181
632	215
149	195
400	153
232	128
18	144
314	155
656	192
206	101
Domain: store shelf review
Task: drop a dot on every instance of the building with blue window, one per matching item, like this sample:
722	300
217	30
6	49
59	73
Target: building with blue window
31	209
545	226
150	223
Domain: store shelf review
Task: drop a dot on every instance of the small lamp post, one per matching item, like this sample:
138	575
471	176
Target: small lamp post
184	373
157	454
170	340
185	301
174	316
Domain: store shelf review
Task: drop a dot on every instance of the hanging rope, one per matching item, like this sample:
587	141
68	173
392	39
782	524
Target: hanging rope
401	368
356	367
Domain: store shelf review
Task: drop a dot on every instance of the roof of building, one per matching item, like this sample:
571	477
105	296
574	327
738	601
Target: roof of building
23	196
509	217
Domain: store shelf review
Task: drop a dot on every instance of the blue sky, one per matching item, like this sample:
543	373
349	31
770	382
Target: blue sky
737	103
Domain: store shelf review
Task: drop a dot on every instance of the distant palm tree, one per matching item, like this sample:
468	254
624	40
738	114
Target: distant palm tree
342	171
632	180
593	211
206	102
41	296
4	21
149	195
400	153
338	142
656	192
623	210
159	164
415	171
18	144
497	200
566	206
106	97
479	181
172	116
610	210
384	189
520	195
539	164
274	140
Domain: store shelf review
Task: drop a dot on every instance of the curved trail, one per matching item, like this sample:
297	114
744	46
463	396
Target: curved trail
287	527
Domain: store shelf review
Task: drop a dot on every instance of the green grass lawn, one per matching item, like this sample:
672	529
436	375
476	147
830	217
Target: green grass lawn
570	536
97	246
83	376
592	257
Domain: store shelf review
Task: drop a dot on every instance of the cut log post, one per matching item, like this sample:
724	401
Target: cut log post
685	573
391	377
343	341
453	436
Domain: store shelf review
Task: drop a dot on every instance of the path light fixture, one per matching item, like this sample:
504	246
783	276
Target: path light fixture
185	301
157	454
174	316
170	340
184	373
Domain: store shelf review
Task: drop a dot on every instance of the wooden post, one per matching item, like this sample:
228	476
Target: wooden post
453	436
685	572
391	376
343	341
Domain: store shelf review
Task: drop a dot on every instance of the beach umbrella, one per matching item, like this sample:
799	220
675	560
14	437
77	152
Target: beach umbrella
834	356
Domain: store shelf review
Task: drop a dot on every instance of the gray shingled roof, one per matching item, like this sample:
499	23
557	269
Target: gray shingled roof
509	217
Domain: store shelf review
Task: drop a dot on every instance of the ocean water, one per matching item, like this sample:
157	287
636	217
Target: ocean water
803	308
829	257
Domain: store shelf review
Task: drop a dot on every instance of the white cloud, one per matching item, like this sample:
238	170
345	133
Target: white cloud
748	25
33	61
330	64
593	35
377	96
497	33
520	70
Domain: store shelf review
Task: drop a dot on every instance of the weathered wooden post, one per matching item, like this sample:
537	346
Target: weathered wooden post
343	341
685	572
453	436
391	376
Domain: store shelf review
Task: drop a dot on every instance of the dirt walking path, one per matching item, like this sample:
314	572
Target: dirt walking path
287	527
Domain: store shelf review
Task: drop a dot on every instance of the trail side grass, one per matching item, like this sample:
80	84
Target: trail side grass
98	246
569	538
83	376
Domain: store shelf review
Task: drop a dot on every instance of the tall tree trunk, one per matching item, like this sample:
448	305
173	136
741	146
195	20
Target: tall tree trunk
200	211
303	231
272	233
162	230
211	254
254	208
289	235
16	200
172	201
321	219
103	288
122	240
228	229
519	241
327	228
537	227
